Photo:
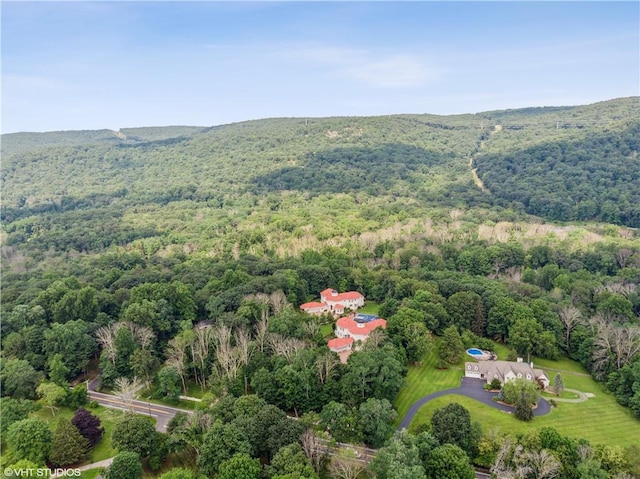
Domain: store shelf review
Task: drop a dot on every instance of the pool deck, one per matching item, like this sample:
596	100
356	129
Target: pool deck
484	356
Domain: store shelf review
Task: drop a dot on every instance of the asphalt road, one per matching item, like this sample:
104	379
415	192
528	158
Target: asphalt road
162	414
472	388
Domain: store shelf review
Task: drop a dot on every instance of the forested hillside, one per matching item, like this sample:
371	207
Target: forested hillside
116	248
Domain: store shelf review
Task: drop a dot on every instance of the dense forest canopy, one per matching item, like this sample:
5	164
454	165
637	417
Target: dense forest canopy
181	255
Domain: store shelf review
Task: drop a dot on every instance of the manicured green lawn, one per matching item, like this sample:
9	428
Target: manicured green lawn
501	350
326	329
600	419
425	379
563	395
370	307
560	365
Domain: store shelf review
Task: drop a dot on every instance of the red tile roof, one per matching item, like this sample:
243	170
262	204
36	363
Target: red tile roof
338	343
312	304
349	324
327	293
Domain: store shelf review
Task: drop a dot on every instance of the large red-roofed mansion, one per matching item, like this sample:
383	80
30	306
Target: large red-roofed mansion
350	330
335	303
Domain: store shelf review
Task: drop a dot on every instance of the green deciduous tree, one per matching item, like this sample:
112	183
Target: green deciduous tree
240	466
375	418
58	370
14	410
372	373
449	461
467	312
125	465
179	473
515	389
417	340
30	439
450	347
452	424
291	462
527	337
73	341
52	395
134	433
219	443
168	384
18	379
339	421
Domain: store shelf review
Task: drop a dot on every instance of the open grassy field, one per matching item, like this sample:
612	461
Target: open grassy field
600	420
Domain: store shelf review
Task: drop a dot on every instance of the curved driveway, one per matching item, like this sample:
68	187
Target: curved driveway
472	388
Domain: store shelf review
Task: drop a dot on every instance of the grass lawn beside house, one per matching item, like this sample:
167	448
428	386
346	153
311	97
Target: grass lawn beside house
326	329
600	420
563	395
424	379
370	307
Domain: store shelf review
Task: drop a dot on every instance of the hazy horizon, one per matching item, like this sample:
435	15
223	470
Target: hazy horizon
111	65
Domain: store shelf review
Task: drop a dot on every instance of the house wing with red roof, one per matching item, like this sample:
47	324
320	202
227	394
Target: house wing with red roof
334	302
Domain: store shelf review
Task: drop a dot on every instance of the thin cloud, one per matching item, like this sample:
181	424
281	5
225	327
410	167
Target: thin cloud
395	70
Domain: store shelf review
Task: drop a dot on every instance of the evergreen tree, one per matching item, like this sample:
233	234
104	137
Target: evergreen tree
68	446
523	409
558	384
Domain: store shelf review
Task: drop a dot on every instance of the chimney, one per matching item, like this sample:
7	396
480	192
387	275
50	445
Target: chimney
519	360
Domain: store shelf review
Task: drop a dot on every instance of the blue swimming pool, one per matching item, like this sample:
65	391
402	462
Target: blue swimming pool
474	352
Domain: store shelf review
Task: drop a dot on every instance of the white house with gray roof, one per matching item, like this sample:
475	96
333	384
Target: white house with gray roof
504	371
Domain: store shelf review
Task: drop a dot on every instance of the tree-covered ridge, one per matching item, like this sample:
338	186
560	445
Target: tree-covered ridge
381	170
23	142
594	178
270	186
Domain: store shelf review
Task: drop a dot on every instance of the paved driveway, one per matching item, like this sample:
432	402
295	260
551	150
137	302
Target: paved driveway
472	388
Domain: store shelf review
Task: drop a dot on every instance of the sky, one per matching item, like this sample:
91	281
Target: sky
93	65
